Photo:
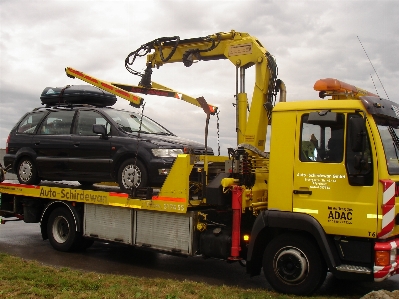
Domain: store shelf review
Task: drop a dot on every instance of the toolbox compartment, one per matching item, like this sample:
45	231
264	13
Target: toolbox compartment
77	94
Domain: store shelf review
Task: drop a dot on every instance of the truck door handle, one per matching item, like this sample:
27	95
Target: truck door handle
303	192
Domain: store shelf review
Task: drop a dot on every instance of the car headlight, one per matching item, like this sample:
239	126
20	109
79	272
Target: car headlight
166	152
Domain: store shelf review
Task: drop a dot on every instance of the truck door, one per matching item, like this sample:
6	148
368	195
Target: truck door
332	182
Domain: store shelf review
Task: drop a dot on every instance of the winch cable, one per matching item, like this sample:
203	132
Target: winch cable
218	131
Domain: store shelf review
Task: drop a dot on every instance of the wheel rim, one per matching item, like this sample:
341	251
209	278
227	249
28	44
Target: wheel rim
25	170
131	176
60	229
291	265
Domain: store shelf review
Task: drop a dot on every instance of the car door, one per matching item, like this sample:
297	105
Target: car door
327	186
90	159
52	144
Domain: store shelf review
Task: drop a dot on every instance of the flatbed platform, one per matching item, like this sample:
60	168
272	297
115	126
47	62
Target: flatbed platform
101	194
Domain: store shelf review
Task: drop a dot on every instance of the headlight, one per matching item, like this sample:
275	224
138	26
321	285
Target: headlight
166	152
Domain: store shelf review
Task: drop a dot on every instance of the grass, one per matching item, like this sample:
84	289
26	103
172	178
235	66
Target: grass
21	278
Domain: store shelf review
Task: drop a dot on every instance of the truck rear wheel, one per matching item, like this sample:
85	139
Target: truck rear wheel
61	230
293	264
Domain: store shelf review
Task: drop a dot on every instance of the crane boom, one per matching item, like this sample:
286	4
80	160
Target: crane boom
244	51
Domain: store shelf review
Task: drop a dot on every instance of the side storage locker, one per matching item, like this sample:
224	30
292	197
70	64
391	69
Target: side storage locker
169	232
108	223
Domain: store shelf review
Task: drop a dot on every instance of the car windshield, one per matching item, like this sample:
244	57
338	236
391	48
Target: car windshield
130	122
389	132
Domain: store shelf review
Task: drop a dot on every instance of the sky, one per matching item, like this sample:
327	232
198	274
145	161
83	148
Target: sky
354	41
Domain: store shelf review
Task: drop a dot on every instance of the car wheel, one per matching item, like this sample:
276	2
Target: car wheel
293	264
27	172
61	230
132	174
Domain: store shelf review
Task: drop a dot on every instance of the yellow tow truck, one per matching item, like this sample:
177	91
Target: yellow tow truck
324	199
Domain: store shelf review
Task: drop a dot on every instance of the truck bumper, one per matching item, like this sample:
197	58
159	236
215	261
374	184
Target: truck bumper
383	272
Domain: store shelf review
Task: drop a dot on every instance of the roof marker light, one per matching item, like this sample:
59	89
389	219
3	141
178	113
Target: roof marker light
330	86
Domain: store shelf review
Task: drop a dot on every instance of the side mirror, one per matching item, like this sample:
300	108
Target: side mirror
357	131
100	129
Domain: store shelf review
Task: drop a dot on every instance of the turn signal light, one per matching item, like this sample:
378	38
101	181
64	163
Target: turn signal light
382	258
246	237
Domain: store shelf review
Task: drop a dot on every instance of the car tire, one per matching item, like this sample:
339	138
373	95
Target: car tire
132	174
61	230
293	265
27	172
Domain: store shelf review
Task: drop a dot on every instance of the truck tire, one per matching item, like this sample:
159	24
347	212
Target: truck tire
61	230
292	264
27	172
132	173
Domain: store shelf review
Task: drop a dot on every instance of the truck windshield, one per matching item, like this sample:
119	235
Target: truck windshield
389	132
130	122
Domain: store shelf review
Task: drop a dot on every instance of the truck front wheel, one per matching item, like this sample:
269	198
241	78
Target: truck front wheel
61	230
293	264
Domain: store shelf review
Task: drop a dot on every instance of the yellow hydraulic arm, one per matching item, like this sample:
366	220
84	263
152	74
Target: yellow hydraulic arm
243	51
125	91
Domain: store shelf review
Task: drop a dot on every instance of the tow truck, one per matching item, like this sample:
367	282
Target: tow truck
324	199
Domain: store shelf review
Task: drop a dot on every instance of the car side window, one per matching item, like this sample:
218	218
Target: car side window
322	142
29	123
57	123
86	120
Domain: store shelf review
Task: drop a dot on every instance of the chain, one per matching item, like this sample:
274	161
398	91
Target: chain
218	131
138	145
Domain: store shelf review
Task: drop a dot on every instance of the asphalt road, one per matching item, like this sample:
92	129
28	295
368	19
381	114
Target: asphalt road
24	240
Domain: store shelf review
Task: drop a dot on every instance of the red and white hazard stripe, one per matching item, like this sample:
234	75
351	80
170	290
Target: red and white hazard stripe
388	208
383	272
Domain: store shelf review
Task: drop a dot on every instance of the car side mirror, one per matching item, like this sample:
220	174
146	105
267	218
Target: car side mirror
100	129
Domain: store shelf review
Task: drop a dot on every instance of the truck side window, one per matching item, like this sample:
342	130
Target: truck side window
322	142
57	123
30	122
86	120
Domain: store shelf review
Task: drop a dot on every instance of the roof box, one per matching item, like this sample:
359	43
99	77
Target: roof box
77	94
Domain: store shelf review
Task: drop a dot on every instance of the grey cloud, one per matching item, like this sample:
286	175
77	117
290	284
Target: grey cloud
310	40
